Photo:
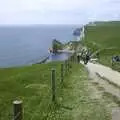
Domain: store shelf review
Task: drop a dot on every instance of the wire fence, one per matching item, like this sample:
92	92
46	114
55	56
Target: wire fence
16	110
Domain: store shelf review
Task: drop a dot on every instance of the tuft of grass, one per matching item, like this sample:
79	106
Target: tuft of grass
110	96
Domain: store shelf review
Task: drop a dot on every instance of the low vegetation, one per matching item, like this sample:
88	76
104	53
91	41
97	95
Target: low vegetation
56	45
105	38
32	84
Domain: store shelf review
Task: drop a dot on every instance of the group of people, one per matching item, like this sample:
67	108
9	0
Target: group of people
115	59
84	56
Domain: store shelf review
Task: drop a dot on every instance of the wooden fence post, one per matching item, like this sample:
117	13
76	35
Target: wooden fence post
17	110
68	66
71	58
65	66
74	58
62	72
53	84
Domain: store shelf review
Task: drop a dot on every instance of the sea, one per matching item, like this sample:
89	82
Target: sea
25	45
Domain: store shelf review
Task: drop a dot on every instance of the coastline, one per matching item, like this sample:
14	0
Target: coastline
43	60
60	56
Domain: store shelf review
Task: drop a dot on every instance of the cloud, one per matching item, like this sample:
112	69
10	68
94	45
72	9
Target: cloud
57	11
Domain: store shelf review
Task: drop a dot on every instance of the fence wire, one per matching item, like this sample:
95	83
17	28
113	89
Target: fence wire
8	114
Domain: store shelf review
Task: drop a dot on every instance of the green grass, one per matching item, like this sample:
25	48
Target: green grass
32	84
106	58
105	36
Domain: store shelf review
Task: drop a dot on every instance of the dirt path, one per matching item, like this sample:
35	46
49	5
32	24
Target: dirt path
105	72
105	77
108	80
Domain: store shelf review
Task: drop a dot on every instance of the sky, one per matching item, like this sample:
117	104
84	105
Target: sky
58	11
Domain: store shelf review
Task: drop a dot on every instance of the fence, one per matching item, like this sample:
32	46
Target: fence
66	68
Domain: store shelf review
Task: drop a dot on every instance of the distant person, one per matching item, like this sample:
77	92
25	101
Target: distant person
98	55
117	58
78	58
82	54
87	58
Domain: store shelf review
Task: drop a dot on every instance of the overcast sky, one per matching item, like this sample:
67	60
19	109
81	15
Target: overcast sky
57	11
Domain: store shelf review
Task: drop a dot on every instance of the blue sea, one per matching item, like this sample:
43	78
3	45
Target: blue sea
24	45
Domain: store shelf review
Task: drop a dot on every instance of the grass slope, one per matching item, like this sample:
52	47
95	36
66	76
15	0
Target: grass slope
32	85
105	36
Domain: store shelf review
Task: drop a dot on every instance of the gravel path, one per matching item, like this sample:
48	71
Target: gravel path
105	72
103	76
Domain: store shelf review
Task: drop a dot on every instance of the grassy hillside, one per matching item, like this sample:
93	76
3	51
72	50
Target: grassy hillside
33	85
104	36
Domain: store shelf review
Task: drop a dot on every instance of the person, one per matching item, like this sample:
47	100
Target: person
87	58
117	58
78	58
98	55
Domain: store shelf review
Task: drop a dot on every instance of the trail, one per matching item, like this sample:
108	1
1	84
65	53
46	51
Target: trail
108	80
105	72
